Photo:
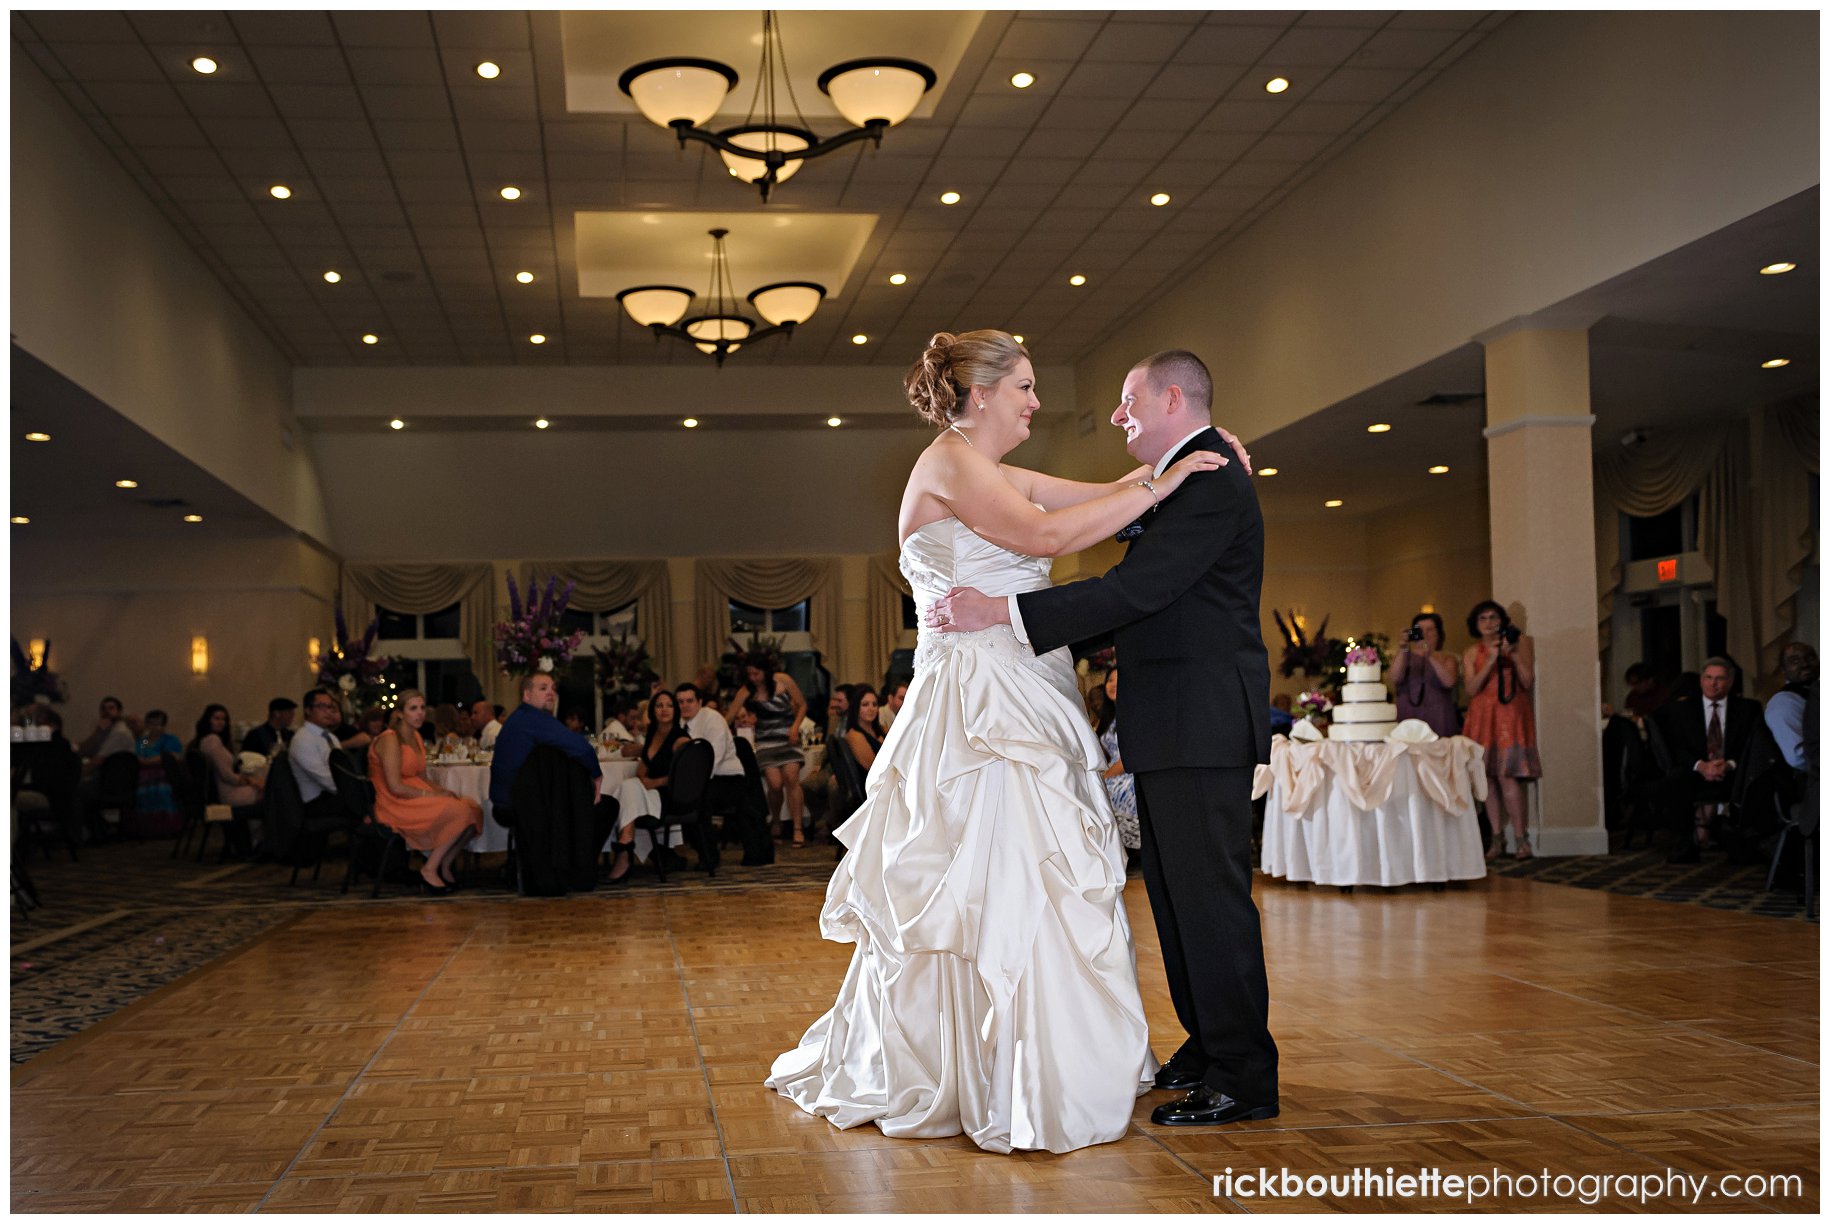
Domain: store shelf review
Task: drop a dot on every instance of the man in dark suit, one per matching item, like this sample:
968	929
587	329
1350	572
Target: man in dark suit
1182	608
1707	749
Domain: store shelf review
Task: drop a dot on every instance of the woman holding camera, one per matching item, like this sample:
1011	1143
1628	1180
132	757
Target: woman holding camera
1499	675
1424	675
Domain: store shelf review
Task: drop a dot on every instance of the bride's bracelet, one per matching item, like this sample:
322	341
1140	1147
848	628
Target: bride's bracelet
1151	486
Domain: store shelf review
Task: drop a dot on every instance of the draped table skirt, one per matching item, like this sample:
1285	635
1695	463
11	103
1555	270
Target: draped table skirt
1379	813
472	782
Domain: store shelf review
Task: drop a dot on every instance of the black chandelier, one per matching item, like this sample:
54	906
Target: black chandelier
683	94
722	329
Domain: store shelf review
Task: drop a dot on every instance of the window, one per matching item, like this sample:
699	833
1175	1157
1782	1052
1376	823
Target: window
1662	535
578	688
427	655
769	622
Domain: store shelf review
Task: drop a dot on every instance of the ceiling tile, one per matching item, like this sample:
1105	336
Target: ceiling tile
1326	117
1011	110
318	102
1082	113
1314	48
215	187
284	28
1436	19
407	101
183	163
1243	117
80	27
384	29
416	134
500	102
1366	19
109	62
1364	85
289	65
1047	37
396	65
496	32
1143	42
331	134
1404	48
1230	46
1291	146
140	101
1061	142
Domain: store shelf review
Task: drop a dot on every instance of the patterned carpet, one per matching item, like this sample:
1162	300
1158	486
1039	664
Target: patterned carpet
128	918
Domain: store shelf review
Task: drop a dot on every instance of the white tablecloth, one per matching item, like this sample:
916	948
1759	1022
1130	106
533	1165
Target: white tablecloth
472	782
1381	813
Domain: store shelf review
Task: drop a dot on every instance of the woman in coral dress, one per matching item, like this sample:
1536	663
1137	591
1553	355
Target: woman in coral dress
1499	676
432	819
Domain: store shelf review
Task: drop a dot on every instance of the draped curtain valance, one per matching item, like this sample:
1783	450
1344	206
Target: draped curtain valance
764	583
416	588
883	609
605	586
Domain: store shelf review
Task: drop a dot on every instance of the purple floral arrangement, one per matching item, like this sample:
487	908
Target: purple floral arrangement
1313	703
347	665
623	669
1363	654
530	639
31	683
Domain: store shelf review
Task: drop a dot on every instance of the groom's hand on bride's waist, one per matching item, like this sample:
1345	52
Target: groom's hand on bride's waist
966	610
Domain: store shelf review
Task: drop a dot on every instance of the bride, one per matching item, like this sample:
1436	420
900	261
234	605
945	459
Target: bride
993	991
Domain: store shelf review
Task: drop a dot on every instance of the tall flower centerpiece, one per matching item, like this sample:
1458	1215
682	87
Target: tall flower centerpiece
1302	653
36	685
347	670
531	639
730	667
624	670
1315	705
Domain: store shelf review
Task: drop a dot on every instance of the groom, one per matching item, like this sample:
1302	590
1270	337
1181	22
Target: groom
1183	609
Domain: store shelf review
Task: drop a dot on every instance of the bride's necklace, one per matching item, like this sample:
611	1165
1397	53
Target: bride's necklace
962	433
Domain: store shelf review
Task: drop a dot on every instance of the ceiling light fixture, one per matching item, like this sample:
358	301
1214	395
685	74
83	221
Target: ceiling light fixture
1777	269
1023	80
370	338
193	518
510	192
899	278
1017	336
1276	85
1270	471
332	276
1441	469
536	338
526	278
1160	198
38	437
722	329
835	422
860	338
1333	503
1381	427
126	484
691	422
949	197
280	191
397	423
204	64
542	423
1077	280
20	520
489	71
873	94
1775	362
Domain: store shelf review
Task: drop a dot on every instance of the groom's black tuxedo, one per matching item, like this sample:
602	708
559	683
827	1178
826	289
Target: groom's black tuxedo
1182	608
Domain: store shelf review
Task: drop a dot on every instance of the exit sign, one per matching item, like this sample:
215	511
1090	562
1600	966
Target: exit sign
1667	570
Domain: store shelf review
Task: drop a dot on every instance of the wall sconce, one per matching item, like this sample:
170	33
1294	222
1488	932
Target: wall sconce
35	651
200	656
313	648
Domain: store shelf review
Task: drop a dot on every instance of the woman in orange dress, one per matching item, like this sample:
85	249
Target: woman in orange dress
433	820
1499	675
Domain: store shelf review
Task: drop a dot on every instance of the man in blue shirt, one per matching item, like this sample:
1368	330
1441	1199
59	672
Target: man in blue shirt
531	725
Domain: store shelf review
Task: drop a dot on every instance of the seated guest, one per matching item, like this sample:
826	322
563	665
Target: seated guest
369	727
309	754
574	721
1424	676
706	723
641	795
233	787
445	722
484	722
863	731
1121	786
431	819
625	725
819	785
1643	696
113	733
892	705
1282	719
1789	710
531	726
267	738
1705	742
155	808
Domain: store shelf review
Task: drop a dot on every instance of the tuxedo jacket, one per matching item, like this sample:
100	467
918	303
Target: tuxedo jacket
1682	725
1182	609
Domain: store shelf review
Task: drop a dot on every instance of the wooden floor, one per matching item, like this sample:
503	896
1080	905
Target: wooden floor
607	1053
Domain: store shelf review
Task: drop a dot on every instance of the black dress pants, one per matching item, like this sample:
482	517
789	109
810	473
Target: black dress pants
1197	851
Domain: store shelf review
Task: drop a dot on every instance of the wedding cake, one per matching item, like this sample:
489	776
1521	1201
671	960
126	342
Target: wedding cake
1363	714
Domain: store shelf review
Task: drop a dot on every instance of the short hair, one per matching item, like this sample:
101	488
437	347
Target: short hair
1474	616
499	711
158	714
281	703
527	681
1725	664
312	695
1180	368
1638	672
1798	661
1442	634
623	704
117	701
687	686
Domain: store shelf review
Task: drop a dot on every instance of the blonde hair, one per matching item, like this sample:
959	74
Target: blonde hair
938	381
397	720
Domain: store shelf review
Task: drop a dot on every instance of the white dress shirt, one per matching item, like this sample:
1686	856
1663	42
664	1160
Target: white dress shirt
491	729
709	725
1719	706
618	732
1162	465
310	751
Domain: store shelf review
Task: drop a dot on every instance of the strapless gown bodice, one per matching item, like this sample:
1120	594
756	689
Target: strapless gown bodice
993	990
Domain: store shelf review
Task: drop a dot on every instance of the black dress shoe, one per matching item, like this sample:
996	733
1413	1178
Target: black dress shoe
1179	1074
432	891
1205	1107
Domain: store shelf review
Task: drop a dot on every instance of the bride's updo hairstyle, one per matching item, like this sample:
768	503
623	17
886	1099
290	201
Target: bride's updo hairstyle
939	380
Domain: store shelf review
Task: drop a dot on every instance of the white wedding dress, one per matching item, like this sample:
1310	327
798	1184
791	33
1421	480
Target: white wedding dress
993	991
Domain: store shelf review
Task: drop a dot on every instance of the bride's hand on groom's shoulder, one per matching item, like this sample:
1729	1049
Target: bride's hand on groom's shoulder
1238	448
1188	465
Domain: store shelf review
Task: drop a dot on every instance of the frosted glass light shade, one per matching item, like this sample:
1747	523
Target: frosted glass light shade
670	89
788	301
718	327
877	89
651	304
762	138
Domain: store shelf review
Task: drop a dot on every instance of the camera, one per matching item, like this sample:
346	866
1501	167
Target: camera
1414	634
1511	634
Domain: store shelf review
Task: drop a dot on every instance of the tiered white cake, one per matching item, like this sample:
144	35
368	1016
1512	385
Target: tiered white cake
1363	714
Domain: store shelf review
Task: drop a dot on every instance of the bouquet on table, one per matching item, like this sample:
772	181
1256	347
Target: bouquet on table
34	685
531	640
624	670
1314	703
348	671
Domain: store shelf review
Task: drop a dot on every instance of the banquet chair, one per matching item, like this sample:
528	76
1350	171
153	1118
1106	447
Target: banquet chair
190	801
51	775
117	781
685	803
357	795
293	829
748	824
202	786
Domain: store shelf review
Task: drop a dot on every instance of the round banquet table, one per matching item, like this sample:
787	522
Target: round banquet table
472	782
1379	813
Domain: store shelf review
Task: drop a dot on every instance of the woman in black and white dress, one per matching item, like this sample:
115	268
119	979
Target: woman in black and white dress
774	701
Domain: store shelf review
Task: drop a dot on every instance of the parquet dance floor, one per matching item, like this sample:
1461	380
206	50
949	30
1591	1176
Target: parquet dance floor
607	1053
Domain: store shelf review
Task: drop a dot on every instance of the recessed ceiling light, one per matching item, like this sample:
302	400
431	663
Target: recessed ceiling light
1017	336
203	64
38	437
126	484
536	338
510	192
1777	269
1160	198
1267	471
1332	503
193	518
899	278
1023	80
526	278
1775	362
370	338
860	338
1077	280
332	276
280	191
835	422
1381	427
1440	469
1276	85
20	520
949	197
397	423
489	71
542	423
691	422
